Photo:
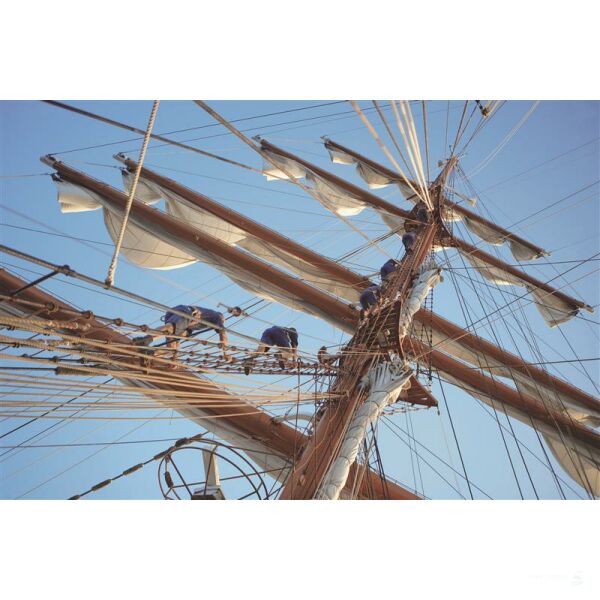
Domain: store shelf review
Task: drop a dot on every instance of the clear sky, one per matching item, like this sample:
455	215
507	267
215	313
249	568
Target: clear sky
512	187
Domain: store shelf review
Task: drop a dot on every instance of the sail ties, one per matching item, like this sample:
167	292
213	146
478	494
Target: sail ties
385	382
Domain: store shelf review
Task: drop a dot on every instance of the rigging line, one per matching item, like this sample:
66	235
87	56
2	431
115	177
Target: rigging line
456	472
410	427
110	277
498	343
498	183
555	203
410	142
46	456
474	191
569	285
414	147
72	273
468	320
482	123
262	127
524	337
207	126
392	137
462	116
171	282
82	460
446	138
486	161
534	351
426	138
547	464
424	460
383	147
86	113
288	175
24	176
53	409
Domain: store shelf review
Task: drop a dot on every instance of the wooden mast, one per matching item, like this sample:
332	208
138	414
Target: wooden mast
424	316
369	346
247	420
378	203
102	189
455	207
260	231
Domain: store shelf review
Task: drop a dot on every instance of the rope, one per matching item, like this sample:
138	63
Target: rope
113	264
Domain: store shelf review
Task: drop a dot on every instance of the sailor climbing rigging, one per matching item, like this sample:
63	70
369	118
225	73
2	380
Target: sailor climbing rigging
199	319
368	300
284	339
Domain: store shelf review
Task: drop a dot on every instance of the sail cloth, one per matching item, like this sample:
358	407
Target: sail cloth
139	247
581	462
143	191
330	195
385	383
428	276
73	198
143	249
545	393
295	169
146	229
376	179
211	224
554	310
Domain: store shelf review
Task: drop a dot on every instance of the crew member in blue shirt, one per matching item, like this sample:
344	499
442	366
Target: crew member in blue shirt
369	299
283	339
197	319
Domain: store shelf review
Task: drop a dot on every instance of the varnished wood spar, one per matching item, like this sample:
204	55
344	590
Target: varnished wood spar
455	207
340	273
377	202
278	437
147	216
253	423
337	272
363	353
492	260
501	392
500	357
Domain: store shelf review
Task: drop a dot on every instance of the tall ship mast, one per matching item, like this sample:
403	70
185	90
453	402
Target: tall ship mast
427	307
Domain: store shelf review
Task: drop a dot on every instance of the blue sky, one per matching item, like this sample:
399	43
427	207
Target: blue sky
569	230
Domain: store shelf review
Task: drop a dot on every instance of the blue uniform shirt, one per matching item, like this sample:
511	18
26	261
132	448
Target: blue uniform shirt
389	267
212	316
369	296
279	336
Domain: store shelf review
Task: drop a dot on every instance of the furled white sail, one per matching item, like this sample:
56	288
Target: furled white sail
308	272
377	179
199	218
584	468
385	382
143	191
146	228
428	276
576	458
271	172
334	198
139	247
143	249
374	178
553	309
545	393
73	198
